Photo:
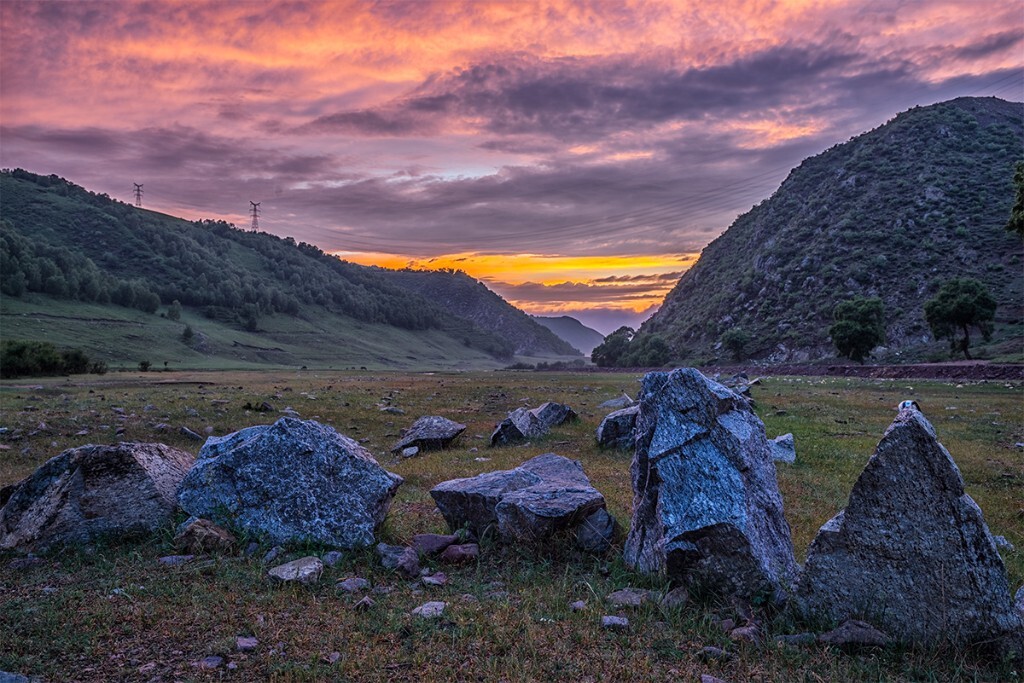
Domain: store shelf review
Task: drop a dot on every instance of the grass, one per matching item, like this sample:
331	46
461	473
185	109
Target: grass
111	612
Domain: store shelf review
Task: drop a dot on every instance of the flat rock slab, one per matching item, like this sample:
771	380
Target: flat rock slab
628	597
707	508
460	554
911	551
302	570
617	429
291	481
433	544
353	584
619	403
854	633
198	536
93	491
614	623
429	433
532	502
430	610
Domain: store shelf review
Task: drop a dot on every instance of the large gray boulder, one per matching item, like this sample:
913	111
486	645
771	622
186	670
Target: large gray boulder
430	433
291	481
706	505
553	414
92	491
911	552
531	503
617	429
521	424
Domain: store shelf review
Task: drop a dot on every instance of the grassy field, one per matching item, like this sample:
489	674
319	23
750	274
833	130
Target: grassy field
114	613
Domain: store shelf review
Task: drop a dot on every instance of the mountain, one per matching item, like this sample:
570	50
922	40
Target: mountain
470	300
62	243
892	213
572	331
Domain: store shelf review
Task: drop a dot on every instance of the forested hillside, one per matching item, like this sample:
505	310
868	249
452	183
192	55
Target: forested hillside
892	213
63	241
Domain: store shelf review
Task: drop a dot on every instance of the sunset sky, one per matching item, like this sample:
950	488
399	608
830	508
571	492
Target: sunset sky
575	156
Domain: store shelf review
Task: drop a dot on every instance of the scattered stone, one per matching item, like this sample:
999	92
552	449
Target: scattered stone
290	481
727	625
432	544
333	658
188	433
797	639
430	610
210	663
618	429
364	604
461	554
520	425
198	536
353	584
272	554
675	598
750	633
553	414
304	570
627	597
544	495
1003	544
392	410
614	623
578	606
429	433
410	452
466	597
399	558
246	643
707	505
438	579
710	653
911	549
93	491
854	633
175	560
619	403
598	532
784	449
331	558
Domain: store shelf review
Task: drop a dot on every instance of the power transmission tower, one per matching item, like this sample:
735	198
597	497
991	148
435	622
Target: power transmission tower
255	212
138	194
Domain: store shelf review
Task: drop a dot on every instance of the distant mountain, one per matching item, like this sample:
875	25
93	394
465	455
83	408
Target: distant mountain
573	331
64	242
469	299
892	213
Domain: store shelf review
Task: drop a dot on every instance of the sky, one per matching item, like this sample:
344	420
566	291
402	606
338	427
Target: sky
575	156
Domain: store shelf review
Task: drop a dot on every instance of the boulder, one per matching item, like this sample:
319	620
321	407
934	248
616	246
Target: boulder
616	429
92	491
553	414
198	536
911	550
291	481
598	532
302	570
784	449
432	544
707	508
520	425
532	502
429	433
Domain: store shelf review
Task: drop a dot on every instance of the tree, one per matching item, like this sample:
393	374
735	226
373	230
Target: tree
608	353
859	327
174	310
1016	222
962	303
187	334
736	340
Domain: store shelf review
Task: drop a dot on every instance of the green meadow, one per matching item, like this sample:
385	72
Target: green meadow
113	613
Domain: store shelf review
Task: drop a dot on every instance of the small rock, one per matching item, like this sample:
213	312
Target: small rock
410	451
461	554
430	610
303	570
432	544
331	558
854	633
174	560
627	597
749	634
199	536
711	653
210	663
353	585
438	579
246	643
333	658
392	410
400	558
619	403
232	665
797	639
613	623
727	625
675	598
364	604
273	554
578	606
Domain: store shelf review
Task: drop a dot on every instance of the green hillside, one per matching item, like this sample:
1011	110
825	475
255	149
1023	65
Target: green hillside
67	254
892	214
